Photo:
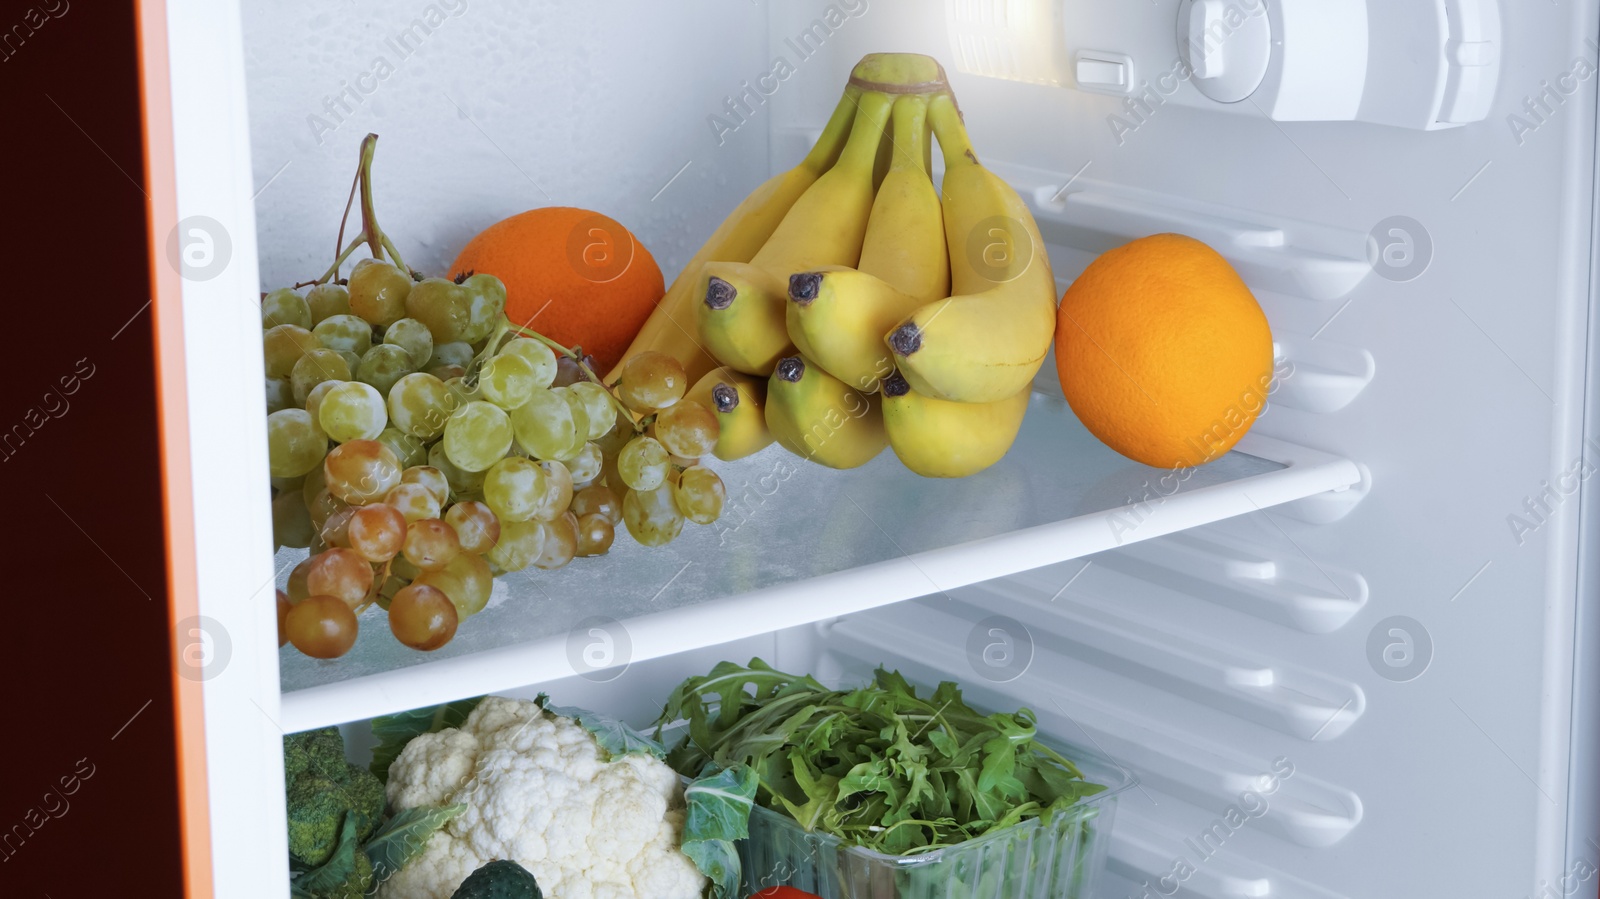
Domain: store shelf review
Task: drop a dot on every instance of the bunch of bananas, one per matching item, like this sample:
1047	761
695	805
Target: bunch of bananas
845	307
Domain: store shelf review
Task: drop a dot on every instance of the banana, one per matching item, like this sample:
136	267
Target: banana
825	227
827	224
670	328
741	316
818	417
838	317
985	343
941	439
736	400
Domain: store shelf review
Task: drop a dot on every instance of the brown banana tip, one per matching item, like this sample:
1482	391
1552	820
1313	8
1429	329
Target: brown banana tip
803	288
791	369
906	339
895	385
725	398
720	294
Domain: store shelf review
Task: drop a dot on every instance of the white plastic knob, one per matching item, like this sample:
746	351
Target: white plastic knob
1226	45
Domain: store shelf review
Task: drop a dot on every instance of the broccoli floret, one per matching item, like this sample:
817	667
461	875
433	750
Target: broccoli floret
316	810
319	752
364	793
321	789
348	873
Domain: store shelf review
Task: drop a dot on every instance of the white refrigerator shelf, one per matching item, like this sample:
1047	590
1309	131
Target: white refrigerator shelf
799	544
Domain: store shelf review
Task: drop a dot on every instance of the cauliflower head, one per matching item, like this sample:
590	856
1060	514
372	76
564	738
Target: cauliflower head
540	791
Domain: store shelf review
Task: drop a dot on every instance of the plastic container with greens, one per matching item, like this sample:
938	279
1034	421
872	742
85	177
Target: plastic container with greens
877	793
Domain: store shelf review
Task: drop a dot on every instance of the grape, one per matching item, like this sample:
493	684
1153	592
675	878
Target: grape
429	477
340	572
570	372
280	395
557	493
408	449
361	471
597	402
326	300
285	485
345	333
519	544
313	401
460	481
443	306
314	367
476	526
283	613
294	443
322	627
422	617
377	531
477	436
392	584
560	542
447	372
544	425
285	307
586	465
352	411
597	499
296	585
651	381
580	421
419	405
312	485
687	429
383	366
399	567
537	355
454	352
595	534
352	361
487	305
291	522
507	381
283	345
378	291
515	489
414	502
323	507
652	516
700	494
642	464
466	580
412	336
335	529
431	544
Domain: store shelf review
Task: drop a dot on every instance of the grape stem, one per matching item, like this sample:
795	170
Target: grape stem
377	242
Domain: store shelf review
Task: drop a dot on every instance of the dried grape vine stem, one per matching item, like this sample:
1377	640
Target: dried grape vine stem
371	235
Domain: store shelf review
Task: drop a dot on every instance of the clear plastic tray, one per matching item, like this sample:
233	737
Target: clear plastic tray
1061	860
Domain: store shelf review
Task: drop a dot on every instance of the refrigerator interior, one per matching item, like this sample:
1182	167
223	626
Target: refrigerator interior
1349	593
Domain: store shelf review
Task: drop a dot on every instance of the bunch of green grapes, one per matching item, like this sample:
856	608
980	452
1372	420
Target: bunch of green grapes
420	444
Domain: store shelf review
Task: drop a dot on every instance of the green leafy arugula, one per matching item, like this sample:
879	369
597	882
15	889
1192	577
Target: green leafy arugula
878	766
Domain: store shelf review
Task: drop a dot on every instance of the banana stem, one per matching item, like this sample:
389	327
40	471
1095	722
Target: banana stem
953	139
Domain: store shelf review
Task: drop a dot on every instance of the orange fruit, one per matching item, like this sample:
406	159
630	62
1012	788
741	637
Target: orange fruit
1163	352
573	275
